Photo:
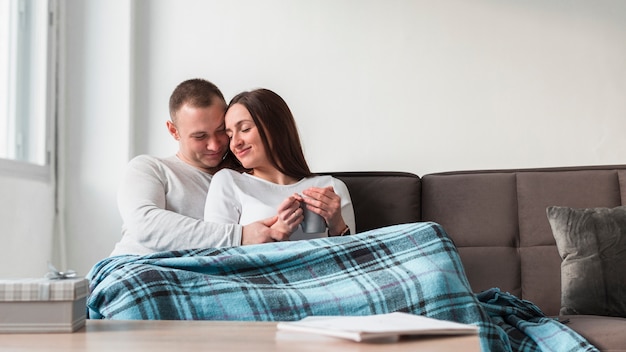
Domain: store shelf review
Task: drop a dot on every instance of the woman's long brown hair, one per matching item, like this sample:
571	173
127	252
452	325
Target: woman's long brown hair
277	129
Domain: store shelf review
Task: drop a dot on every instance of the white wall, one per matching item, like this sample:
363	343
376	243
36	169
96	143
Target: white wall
95	135
404	85
26	235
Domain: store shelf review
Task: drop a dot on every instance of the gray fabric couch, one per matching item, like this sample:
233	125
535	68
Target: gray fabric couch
497	219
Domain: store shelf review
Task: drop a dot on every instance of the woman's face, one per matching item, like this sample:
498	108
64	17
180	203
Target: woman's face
245	141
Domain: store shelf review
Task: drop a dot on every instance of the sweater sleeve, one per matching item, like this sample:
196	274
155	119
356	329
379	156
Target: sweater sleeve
149	227
222	202
347	210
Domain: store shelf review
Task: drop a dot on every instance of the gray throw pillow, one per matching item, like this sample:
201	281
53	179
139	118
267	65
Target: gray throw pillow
592	246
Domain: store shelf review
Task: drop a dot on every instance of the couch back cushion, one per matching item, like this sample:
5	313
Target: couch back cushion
497	219
383	198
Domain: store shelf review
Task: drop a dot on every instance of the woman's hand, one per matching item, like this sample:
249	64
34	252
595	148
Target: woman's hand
325	202
289	215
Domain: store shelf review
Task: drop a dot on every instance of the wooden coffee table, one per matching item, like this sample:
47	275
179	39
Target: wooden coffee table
178	336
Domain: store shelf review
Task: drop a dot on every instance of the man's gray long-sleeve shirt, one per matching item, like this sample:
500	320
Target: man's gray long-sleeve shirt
161	201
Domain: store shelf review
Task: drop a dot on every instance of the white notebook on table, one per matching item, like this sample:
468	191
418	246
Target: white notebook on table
363	328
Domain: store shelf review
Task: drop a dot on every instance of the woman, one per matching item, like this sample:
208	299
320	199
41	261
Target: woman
264	138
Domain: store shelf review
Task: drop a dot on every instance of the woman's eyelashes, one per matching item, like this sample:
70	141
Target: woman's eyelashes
241	129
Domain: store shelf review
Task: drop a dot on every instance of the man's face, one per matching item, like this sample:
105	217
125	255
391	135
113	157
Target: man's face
201	136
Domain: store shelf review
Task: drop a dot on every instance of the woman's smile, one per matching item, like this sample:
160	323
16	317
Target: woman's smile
242	152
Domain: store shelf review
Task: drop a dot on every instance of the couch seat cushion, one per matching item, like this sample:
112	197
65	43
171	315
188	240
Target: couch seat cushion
606	333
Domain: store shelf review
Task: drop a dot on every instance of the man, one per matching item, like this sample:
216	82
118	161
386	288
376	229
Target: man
161	200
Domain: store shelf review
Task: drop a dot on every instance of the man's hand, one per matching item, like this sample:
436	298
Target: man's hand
261	232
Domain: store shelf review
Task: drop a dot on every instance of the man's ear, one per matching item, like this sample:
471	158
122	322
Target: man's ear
172	129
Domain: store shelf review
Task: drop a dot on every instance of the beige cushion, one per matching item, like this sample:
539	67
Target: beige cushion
592	246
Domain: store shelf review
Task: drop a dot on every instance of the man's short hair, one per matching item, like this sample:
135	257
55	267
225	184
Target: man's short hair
198	93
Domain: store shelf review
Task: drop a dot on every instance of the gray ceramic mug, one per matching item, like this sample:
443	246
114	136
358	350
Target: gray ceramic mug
312	223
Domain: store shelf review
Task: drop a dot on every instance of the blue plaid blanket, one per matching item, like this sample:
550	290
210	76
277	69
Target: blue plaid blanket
412	268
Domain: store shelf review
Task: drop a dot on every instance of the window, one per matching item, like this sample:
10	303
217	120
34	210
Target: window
27	97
